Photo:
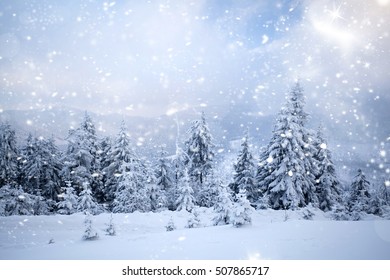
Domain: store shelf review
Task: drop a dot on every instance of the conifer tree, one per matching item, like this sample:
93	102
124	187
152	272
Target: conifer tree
81	158
110	230
223	206
69	200
199	149
327	184
287	171
194	220
185	200
131	193
9	172
163	172
42	167
244	177
359	196
242	210
90	232
86	202
123	159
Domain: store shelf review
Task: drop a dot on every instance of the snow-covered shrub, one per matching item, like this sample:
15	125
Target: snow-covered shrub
171	225
110	230
43	206
308	212
340	213
242	210
194	220
90	233
223	207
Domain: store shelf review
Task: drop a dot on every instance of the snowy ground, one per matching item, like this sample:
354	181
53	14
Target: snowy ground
143	236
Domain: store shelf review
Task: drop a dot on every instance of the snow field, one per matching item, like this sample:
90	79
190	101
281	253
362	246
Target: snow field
144	236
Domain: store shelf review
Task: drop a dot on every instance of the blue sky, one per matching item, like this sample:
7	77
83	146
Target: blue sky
150	58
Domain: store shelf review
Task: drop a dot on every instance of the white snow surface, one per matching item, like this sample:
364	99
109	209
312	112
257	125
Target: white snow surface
143	236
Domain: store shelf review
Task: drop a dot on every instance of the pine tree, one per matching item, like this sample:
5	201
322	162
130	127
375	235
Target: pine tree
287	171
242	210
171	225
86	202
199	149
41	167
328	185
69	202
80	160
359	195
14	201
194	220
123	159
131	193
158	198
244	172
185	200
163	175
110	230
90	232
223	206
178	165
9	172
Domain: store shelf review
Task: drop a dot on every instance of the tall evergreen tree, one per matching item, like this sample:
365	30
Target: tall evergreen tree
327	184
287	171
42	167
123	159
130	194
359	196
199	149
163	172
9	172
244	177
80	161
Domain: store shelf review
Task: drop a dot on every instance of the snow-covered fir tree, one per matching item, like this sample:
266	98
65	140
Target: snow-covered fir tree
359	195
80	160
223	206
178	165
164	184
90	232
131	194
199	149
286	173
122	160
42	205
158	198
194	219
242	210
328	186
41	167
9	154
14	201
244	168
185	199
86	202
69	201
110	230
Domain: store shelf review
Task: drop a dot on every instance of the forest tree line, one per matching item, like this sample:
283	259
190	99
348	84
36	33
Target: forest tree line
294	170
